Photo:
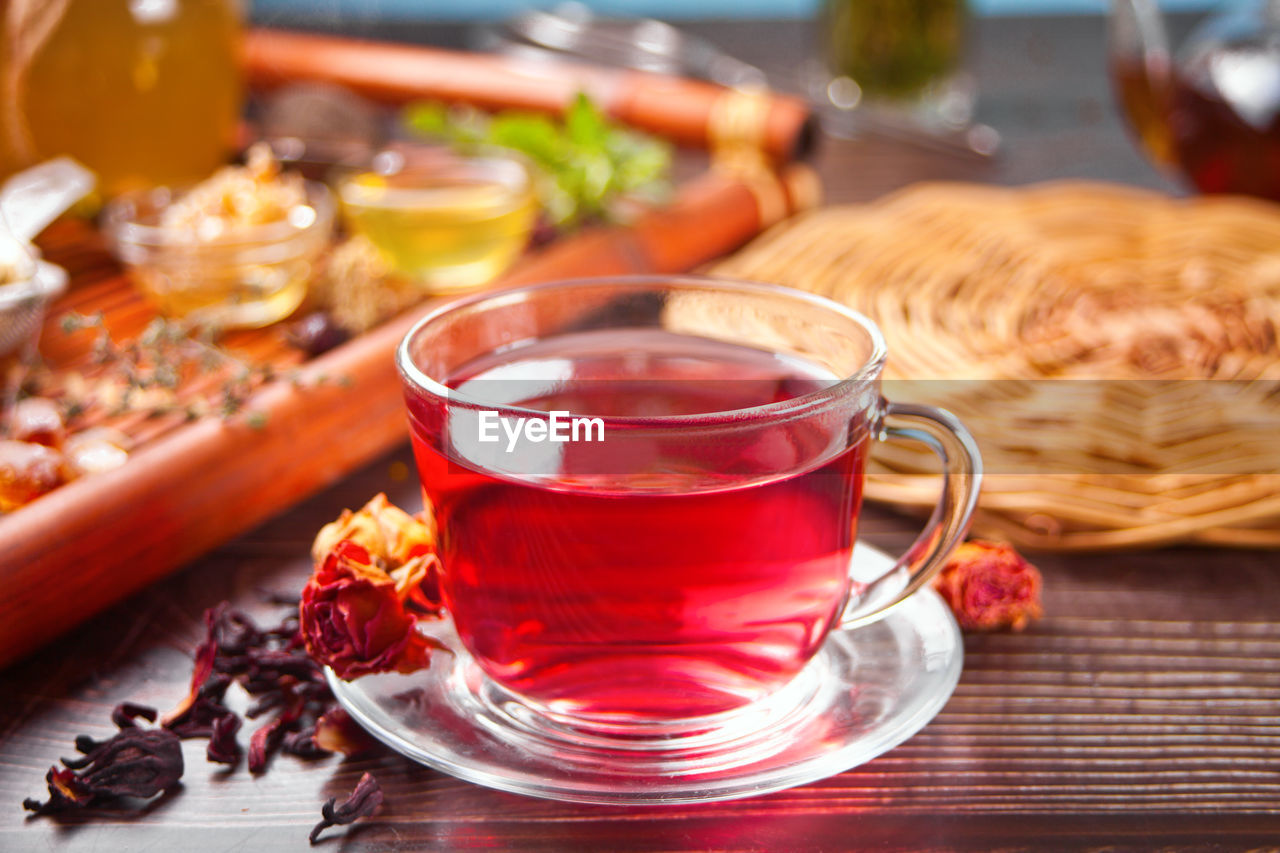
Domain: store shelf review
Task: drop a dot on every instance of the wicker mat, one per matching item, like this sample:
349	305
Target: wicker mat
1113	350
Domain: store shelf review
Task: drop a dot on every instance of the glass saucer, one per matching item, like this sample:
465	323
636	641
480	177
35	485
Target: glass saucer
869	689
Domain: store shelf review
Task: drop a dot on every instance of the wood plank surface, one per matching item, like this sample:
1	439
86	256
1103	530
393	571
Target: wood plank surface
1142	713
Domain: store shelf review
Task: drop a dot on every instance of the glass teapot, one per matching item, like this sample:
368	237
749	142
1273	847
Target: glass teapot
1211	111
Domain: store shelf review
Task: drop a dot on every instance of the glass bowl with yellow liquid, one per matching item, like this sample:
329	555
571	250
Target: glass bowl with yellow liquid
245	276
449	221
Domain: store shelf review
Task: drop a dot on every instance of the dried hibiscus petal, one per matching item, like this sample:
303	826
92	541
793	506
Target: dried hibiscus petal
354	617
362	802
223	747
264	742
303	744
989	586
124	714
132	763
66	791
387	532
206	652
232	632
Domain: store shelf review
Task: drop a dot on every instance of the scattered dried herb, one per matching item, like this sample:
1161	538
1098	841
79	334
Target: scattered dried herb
362	802
989	586
146	373
134	762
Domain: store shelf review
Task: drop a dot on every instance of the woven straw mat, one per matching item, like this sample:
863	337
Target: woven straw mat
990	292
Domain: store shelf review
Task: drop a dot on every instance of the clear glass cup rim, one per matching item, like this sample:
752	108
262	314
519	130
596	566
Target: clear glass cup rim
846	386
504	168
126	227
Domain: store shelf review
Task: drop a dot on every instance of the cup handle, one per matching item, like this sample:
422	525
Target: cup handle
942	433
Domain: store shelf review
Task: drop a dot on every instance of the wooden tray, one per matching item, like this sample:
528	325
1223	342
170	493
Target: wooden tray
1113	350
192	485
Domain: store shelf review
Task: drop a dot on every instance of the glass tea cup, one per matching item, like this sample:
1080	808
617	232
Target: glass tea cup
647	491
450	221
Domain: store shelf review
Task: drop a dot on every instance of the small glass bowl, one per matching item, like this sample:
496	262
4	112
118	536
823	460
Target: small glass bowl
451	222
247	277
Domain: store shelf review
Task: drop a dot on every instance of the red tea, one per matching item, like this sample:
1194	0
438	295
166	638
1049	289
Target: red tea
654	574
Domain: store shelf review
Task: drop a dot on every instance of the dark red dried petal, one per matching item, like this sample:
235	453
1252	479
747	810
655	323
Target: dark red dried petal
233	633
362	802
279	662
267	738
206	654
136	763
66	791
265	703
223	747
126	712
199	719
303	744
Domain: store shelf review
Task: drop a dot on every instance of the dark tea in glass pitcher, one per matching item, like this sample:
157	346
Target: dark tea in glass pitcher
1211	111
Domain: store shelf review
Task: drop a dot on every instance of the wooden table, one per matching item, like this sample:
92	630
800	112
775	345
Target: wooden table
1143	712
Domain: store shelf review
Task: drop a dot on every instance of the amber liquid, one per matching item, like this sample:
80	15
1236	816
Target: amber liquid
142	94
1217	145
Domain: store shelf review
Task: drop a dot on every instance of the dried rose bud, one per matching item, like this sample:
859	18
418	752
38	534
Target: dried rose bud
354	617
37	420
989	585
387	532
364	801
27	471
